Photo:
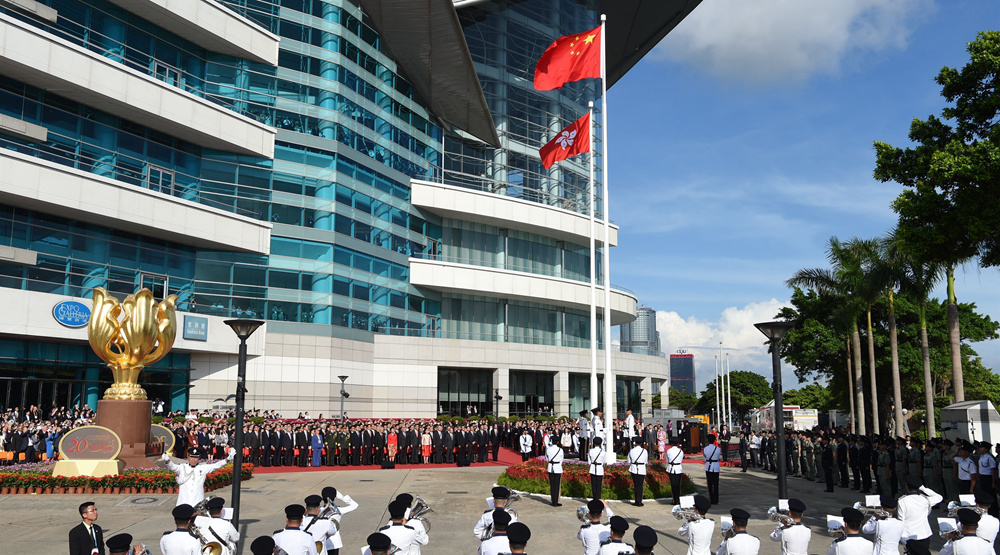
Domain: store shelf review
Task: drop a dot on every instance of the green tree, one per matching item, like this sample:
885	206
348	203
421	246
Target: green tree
947	211
683	400
749	390
810	396
843	282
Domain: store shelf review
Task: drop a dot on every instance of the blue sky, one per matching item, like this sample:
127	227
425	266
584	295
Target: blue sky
743	142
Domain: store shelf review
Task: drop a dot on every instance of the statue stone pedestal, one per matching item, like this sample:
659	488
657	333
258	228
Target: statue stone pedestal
131	420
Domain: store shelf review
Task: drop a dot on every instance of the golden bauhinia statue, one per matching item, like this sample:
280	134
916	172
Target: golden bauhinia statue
129	336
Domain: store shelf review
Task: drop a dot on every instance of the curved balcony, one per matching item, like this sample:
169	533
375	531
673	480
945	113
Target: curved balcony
466	279
497	209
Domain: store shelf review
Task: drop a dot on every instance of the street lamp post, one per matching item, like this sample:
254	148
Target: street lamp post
774	332
244	329
343	395
640	404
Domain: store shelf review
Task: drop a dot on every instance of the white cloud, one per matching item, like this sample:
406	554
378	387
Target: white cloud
788	40
734	329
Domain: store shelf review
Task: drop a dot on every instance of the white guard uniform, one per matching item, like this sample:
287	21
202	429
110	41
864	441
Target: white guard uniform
887	533
637	459
740	544
526	443
218	530
616	547
913	510
554	456
320	529
699	535
988	528
968	545
335	541
406	537
597	425
179	542
583	424
675	457
295	542
597	458
630	426
852	544
592	534
495	546
712	454
486	522
794	539
191	480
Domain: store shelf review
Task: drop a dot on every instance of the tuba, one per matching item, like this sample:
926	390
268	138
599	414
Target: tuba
207	547
774	515
680	513
419	511
488	533
583	514
201	508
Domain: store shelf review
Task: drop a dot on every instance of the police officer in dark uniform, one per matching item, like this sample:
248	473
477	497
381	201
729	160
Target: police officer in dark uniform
828	463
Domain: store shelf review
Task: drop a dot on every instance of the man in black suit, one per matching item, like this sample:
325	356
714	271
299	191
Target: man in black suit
302	443
253	444
368	443
449	446
378	445
413	441
402	446
288	446
86	536
355	446
265	447
494	441
437	445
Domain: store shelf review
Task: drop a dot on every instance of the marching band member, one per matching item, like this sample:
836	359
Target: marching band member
407	538
675	457
970	543
645	540
741	543
320	529
887	531
988	524
292	538
593	533
913	509
180	541
795	537
500	497
597	458
518	533
378	544
851	543
616	545
263	545
497	543
698	532
216	528
191	475
335	542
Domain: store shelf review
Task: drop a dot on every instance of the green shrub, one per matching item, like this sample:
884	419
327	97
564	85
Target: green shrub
258	420
502	419
458	420
177	420
473	419
206	419
514	419
157	420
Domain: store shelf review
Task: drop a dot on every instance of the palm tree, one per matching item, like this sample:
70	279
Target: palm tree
891	272
870	287
918	279
842	281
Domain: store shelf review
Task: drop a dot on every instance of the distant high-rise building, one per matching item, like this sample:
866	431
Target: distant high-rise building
640	335
682	372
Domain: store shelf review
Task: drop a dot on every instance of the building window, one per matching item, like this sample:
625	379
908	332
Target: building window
531	394
156	284
465	392
167	74
160	180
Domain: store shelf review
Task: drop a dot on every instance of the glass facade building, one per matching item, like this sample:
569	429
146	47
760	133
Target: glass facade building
340	272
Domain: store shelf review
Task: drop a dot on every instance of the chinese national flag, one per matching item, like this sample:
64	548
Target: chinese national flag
573	140
570	58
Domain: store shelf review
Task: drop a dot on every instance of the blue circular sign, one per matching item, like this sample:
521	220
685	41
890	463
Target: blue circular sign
71	314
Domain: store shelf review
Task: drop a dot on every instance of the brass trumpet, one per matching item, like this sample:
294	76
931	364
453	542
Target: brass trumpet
207	547
954	507
728	530
877	512
774	515
689	515
488	533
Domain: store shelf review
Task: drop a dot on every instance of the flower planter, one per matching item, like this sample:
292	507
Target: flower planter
21	491
159	490
116	491
142	490
59	491
4	491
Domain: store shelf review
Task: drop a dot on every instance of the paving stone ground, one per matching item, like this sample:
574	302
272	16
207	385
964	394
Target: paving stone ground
39	524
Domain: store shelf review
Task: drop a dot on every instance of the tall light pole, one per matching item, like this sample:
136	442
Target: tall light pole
718	426
729	392
343	395
774	332
244	329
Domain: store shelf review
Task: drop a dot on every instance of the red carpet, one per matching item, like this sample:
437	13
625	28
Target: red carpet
505	457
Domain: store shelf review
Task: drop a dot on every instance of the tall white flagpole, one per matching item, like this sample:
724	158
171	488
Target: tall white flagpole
718	413
609	378
594	394
729	393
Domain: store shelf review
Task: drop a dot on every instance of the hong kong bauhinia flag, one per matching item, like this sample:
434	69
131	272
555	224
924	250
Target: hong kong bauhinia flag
573	140
569	58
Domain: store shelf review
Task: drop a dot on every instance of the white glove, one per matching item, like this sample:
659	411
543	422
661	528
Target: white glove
165	457
232	453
